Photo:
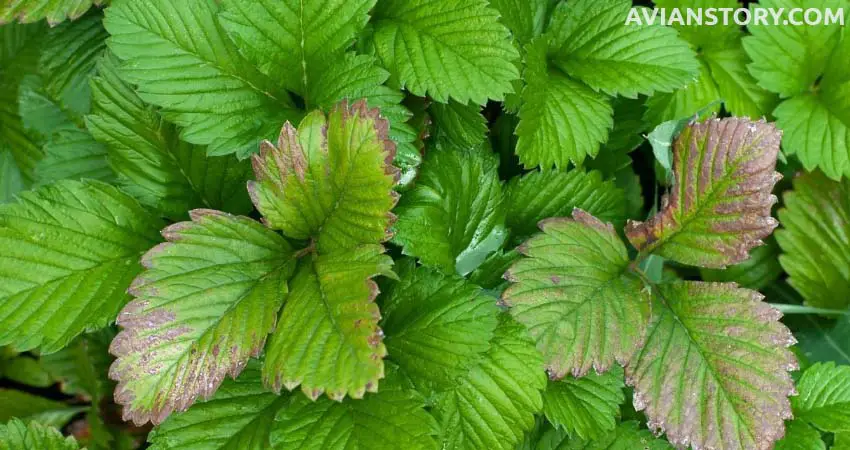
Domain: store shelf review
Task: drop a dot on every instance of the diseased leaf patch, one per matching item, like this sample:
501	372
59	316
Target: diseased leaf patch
205	304
573	292
720	201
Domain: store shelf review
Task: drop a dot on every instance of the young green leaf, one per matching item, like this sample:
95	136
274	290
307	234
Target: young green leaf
70	250
539	195
26	11
81	368
575	295
437	325
800	436
824	397
700	97
627	436
493	405
587	407
328	339
740	92
446	49
201	84
294	40
205	304
238	417
19	48
394	418
17	435
561	119
458	125
815	250
161	171
73	155
760	270
32	408
525	18
592	42
454	217
813	131
714	370
11	180
789	59
331	180
721	197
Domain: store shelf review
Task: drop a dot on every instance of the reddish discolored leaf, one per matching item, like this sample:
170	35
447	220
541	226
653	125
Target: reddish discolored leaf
205	304
720	202
714	371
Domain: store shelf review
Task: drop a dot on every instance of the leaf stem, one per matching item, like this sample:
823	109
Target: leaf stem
786	308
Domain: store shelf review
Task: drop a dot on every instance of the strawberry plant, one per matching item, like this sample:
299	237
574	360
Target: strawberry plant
421	224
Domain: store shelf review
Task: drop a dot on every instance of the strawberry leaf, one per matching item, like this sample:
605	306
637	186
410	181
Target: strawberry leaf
331	180
587	407
17	435
454	217
205	304
714	370
823	398
70	250
393	418
328	339
814	246
721	197
575	295
437	326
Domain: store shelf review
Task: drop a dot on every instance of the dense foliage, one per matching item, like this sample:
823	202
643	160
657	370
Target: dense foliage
421	224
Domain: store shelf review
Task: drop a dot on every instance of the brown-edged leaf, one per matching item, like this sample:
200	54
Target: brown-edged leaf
719	205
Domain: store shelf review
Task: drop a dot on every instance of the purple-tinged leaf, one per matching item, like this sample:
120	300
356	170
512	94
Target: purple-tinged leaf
719	207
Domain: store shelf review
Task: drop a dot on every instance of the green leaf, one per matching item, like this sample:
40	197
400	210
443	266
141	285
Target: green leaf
816	133
789	59
295	40
494	404
525	18
824	397
627	436
489	274
699	97
740	92
154	166
11	180
458	125
70	250
17	435
454	217
575	295
713	371
592	42
68	58
815	252
820	342
205	304
561	120
81	368
586	407
328	339
31	408
800	436
19	48
331	180
761	269
540	195
721	197
25	370
718	35
437	325
201	83
73	155
239	416
393	418
26	11
446	49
